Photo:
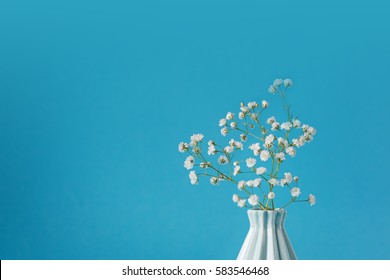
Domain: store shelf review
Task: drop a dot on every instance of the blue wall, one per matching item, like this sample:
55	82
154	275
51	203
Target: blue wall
96	95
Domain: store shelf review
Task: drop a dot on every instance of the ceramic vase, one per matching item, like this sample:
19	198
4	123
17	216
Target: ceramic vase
267	238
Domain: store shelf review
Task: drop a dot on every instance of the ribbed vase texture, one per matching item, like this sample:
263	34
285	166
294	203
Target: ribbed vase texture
267	238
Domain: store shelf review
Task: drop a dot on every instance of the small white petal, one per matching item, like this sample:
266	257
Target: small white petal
312	199
261	170
223	160
295	192
253	200
250	162
291	151
183	147
189	162
241	185
241	203
271	195
235	198
222	122
229	116
264	155
224	131
288	83
193	177
277	82
272	89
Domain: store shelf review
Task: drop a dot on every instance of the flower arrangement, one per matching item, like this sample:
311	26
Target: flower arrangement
271	143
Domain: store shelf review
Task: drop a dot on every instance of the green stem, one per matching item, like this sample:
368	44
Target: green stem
291	201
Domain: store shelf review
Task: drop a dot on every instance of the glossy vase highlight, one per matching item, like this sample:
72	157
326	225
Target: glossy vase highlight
267	238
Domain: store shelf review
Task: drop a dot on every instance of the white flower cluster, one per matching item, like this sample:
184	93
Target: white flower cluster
277	83
276	142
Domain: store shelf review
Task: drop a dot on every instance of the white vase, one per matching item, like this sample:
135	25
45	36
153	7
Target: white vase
267	238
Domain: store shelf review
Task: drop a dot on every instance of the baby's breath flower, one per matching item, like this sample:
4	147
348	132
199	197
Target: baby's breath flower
196	150
273	182
255	148
271	120
236	170
256	182
263	130
282	142
183	147
211	150
241	185
224	131
271	195
280	156
272	89
223	160
295	192
308	137
253	116
196	138
275	126
253	200
264	155
270	138
244	109
291	151
250	162
214	180
241	203
193	178
312	199
238	145
286	125
253	105
288	177
269	147
228	149
311	130
301	141
229	116
277	82
261	170
288	83
189	162
296	123
222	122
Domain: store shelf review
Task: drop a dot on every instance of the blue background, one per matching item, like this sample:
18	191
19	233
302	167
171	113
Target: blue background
96	95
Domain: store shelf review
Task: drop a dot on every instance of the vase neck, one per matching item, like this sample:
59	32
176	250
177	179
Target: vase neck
264	219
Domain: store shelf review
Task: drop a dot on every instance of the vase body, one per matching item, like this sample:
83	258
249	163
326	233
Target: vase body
267	238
